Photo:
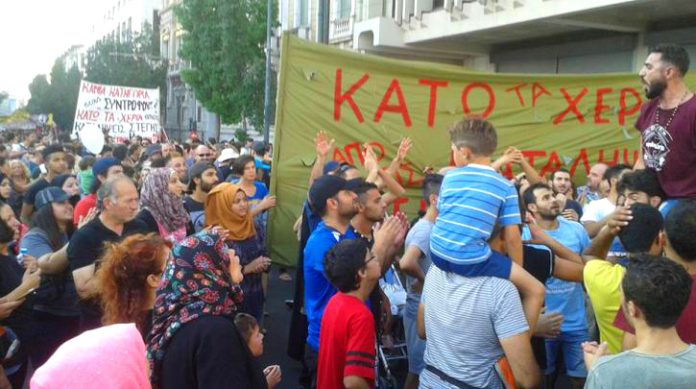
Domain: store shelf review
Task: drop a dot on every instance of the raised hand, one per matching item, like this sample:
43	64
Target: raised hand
404	147
618	219
322	144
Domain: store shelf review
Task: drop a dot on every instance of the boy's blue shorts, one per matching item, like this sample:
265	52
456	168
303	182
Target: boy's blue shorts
497	265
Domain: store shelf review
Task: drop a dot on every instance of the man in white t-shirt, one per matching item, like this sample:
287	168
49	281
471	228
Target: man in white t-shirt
596	213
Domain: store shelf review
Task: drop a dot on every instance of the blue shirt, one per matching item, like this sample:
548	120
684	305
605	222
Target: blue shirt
472	199
566	297
318	290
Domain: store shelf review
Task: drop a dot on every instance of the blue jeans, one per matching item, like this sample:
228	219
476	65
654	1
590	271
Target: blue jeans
414	344
570	344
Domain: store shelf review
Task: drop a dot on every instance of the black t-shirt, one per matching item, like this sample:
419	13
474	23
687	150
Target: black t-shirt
11	273
209	353
146	218
85	248
539	263
575	206
35	188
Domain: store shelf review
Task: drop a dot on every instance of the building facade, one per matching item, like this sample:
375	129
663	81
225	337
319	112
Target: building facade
507	36
183	112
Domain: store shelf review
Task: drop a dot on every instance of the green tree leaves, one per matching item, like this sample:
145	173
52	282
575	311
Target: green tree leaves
224	41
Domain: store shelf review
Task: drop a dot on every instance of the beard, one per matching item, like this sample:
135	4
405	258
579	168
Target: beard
206	187
655	89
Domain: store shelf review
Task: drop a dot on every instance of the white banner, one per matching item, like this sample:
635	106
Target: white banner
121	112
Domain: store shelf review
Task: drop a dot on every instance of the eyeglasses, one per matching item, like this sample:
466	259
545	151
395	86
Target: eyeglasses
204	155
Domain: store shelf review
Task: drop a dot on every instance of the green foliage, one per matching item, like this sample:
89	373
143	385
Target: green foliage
58	97
241	135
3	96
225	42
133	62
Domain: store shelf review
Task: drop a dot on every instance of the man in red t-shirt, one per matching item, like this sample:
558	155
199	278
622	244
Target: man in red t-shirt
680	247
103	169
347	336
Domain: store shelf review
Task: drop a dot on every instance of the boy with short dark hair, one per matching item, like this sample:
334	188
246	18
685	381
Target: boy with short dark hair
473	198
248	328
347	336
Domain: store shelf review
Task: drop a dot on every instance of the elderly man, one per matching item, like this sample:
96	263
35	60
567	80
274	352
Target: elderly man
203	153
117	200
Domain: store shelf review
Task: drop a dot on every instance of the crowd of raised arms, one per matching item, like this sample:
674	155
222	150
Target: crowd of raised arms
147	265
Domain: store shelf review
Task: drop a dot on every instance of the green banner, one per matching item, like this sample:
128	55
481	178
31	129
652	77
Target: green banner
569	121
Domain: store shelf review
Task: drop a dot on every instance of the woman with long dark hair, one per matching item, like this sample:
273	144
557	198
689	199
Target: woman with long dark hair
55	303
68	183
129	275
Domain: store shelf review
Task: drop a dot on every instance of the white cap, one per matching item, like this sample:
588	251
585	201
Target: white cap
227	154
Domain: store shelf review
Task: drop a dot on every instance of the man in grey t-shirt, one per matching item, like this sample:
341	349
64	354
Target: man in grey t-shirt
470	323
655	292
415	263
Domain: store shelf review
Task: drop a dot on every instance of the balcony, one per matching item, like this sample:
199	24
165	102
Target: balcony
472	27
340	30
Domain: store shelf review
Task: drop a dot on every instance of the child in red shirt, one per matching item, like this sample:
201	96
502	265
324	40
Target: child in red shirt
347	336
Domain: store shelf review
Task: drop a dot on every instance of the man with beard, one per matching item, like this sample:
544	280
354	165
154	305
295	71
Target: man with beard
203	178
562	184
332	199
566	298
667	123
590	191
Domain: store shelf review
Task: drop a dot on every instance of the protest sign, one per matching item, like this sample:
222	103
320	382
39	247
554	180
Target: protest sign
570	121
121	112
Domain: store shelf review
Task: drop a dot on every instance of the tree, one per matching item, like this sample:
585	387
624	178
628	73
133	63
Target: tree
133	62
58	97
225	42
3	96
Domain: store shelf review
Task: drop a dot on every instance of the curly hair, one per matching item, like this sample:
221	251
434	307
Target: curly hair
123	276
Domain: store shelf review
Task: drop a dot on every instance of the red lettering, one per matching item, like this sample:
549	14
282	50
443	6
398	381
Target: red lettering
348	96
537	91
338	156
600	107
491	98
423	206
582	156
516	88
507	171
625	157
572	106
433	98
398	202
623	112
356	146
613	161
92	116
378	147
399	108
531	154
552	165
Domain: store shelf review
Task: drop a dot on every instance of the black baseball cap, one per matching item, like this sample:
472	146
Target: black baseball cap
324	188
52	194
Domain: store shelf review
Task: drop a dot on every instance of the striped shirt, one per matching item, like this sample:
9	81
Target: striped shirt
465	319
472	199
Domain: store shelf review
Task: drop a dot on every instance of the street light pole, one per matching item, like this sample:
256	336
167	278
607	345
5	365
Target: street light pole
267	93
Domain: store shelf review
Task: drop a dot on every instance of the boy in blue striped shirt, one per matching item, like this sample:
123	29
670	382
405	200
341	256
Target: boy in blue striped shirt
473	198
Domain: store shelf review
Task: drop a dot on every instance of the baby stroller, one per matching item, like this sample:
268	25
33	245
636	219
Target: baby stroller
391	347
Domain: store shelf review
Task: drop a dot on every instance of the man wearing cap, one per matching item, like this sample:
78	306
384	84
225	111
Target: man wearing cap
154	152
203	178
54	159
225	161
117	200
103	169
336	205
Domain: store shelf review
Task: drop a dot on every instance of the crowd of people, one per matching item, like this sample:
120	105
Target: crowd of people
147	265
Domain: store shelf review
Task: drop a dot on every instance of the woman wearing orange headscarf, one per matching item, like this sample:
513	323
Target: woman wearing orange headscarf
226	206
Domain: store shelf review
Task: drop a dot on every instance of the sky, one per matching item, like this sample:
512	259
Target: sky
33	33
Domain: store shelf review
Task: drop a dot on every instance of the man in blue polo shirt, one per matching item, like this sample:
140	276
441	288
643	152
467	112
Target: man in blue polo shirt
336	205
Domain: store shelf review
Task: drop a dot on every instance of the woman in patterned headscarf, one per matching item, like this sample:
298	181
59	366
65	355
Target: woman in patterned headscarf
227	206
193	342
161	200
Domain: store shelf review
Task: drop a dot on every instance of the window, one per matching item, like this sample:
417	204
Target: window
304	13
344	9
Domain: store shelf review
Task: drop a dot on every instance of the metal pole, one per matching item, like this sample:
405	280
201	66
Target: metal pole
322	14
267	93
